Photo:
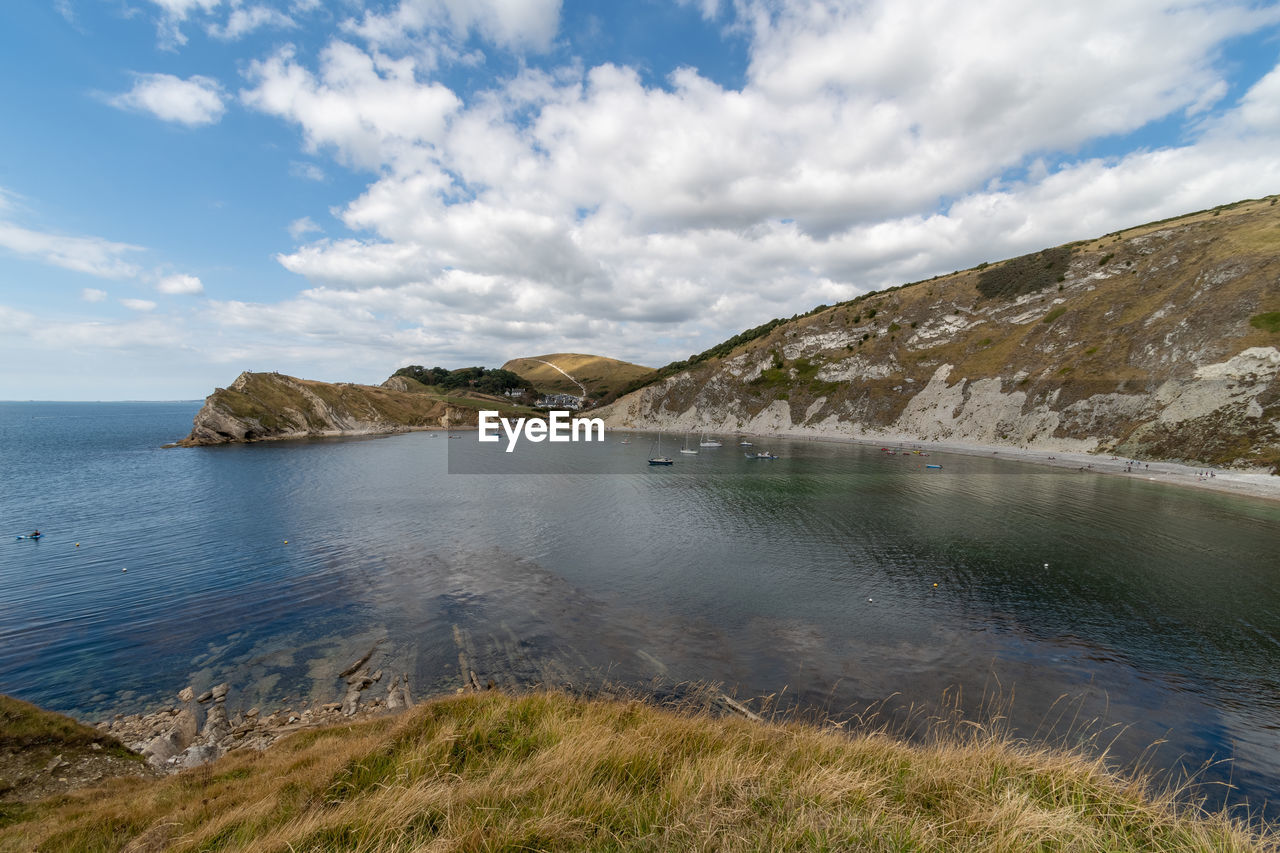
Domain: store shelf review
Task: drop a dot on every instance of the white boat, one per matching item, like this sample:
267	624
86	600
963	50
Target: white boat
686	449
744	444
709	442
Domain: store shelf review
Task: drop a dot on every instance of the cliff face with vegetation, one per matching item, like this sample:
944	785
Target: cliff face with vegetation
1161	341
263	406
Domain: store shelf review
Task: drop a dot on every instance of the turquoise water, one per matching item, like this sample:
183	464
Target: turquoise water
1093	606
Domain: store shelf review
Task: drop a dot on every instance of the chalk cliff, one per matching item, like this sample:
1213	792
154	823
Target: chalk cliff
1161	341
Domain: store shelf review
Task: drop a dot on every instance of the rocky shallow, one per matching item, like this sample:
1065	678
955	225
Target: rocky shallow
199	729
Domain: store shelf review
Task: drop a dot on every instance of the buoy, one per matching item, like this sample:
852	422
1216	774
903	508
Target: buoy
1046	565
935	586
77	544
868	599
286	541
124	570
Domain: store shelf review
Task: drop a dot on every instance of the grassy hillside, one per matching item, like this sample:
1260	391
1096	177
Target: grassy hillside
603	378
463	397
43	753
548	772
1112	318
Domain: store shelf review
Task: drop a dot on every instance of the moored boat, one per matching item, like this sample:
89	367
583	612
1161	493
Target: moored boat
658	458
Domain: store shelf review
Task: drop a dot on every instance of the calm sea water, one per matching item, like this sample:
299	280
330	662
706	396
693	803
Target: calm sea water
1093	606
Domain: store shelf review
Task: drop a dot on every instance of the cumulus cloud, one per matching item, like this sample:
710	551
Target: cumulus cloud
661	218
368	108
193	102
93	294
872	143
138	304
180	284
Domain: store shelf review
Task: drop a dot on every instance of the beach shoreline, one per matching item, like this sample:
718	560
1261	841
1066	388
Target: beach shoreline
1254	484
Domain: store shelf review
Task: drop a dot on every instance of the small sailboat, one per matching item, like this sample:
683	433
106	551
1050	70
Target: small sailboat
658	458
709	442
744	443
686	449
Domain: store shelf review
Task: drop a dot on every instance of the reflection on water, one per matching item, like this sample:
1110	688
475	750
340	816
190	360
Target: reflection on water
834	576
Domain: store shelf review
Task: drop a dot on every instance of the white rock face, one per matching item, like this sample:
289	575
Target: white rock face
1254	365
1238	380
985	410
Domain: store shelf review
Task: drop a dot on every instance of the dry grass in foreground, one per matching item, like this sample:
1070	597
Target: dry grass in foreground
548	771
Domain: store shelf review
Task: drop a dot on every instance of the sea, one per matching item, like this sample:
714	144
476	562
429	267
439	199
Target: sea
834	583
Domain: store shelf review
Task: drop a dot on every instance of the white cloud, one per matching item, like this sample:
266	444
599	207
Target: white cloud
138	304
510	24
180	284
180	9
173	13
566	208
193	102
369	108
139	331
92	255
244	20
647	219
299	228
93	294
1259	112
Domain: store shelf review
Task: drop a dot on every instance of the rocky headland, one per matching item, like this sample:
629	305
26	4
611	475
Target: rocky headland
272	406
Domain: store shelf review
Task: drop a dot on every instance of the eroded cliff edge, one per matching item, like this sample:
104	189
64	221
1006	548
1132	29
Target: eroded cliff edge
1161	341
267	406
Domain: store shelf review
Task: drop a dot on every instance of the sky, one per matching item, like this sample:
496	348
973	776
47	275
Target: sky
333	189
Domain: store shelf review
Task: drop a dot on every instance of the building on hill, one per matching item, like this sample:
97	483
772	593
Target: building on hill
561	401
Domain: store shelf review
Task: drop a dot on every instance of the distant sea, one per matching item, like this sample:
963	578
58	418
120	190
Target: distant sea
831	579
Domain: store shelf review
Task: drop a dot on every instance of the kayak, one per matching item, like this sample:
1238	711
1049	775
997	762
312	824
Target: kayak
29	536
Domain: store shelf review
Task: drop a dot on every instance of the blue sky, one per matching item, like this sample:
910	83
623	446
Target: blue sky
191	188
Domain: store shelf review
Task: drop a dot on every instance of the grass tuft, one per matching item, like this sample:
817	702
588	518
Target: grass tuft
1268	322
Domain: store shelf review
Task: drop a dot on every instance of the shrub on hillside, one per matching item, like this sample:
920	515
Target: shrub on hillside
1025	274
